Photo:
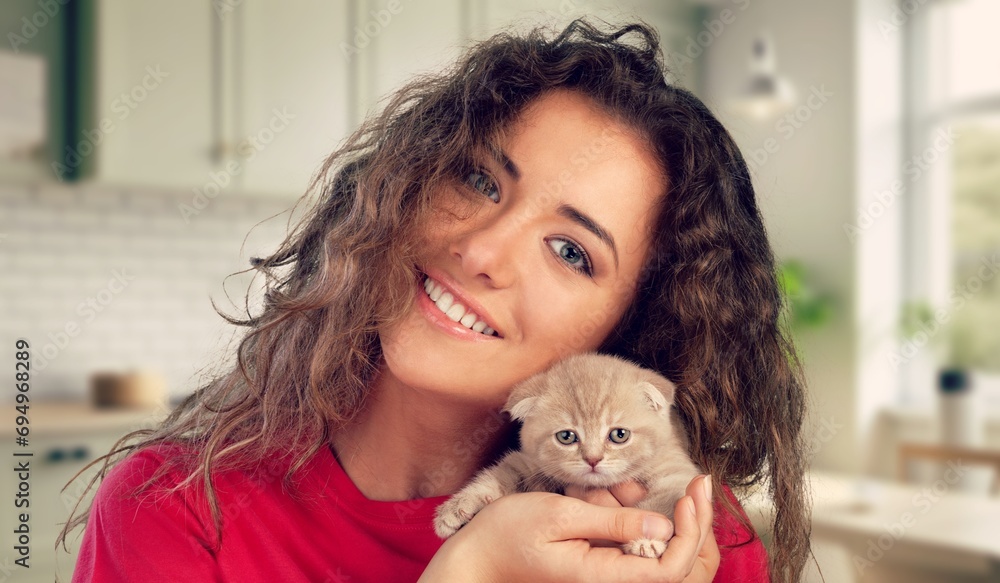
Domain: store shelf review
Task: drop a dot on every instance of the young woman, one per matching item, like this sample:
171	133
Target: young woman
566	199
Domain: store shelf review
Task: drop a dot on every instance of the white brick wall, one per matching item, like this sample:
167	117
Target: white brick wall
62	245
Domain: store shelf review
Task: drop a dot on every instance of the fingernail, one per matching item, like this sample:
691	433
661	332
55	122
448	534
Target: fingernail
655	527
708	487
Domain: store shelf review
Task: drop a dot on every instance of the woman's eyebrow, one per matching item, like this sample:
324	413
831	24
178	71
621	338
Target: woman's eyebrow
575	215
569	211
507	163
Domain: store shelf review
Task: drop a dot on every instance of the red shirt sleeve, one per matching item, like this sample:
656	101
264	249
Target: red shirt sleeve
743	558
157	536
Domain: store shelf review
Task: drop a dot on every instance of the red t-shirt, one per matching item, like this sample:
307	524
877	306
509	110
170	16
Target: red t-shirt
327	533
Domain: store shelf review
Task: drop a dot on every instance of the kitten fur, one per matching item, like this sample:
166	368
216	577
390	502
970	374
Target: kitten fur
591	395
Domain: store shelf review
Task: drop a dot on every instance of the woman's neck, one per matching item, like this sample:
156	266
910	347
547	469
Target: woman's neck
409	443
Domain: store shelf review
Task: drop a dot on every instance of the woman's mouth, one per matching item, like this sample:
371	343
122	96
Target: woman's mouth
454	310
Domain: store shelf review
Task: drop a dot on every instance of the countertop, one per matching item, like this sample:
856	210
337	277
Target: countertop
76	417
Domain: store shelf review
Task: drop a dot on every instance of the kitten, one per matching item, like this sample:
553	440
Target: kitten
591	420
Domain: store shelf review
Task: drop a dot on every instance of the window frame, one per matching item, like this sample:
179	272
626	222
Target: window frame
927	254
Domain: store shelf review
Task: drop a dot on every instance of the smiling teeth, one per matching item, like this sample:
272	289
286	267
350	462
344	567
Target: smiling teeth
455	311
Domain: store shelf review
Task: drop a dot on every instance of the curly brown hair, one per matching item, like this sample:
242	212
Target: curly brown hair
707	306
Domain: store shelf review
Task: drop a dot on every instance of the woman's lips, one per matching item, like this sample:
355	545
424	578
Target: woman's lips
443	322
460	295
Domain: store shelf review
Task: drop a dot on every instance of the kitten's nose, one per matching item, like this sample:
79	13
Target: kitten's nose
593	461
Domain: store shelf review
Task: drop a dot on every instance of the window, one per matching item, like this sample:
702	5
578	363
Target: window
952	233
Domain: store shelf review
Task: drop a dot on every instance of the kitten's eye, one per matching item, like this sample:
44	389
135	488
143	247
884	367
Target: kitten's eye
619	435
566	437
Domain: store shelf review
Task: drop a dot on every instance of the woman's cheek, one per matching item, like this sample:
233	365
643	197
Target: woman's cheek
589	327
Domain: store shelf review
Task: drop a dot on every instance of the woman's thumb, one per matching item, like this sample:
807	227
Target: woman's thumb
619	524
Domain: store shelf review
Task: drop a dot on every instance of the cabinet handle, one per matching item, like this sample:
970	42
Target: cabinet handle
61	454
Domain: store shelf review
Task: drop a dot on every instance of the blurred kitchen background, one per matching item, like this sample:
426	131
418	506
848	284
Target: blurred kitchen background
149	149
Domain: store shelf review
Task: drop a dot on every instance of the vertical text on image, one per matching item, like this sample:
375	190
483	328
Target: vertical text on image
22	458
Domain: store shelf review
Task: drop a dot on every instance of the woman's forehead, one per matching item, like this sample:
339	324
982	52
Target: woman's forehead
570	151
568	127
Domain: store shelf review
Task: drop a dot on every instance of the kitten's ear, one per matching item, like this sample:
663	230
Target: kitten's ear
519	410
654	398
659	393
524	397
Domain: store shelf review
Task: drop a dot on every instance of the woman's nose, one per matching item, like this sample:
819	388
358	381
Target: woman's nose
489	247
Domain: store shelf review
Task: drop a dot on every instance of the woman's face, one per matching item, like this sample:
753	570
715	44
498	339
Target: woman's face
549	258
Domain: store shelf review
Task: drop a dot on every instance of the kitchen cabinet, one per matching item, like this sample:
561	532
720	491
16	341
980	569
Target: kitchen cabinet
291	90
218	96
393	41
251	96
152	96
64	438
677	23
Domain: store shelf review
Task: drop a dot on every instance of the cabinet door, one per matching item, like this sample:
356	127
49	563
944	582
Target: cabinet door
153	96
55	461
396	40
291	91
676	22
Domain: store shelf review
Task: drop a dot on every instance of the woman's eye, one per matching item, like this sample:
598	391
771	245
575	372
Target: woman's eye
566	437
619	435
484	184
573	255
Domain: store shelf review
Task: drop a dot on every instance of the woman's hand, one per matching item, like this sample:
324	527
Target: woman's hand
543	537
623	494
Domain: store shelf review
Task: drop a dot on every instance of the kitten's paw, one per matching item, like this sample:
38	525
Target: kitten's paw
645	547
457	511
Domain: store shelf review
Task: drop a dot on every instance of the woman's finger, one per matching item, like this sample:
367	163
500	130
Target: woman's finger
682	552
587	521
693	523
629	493
701	492
598	496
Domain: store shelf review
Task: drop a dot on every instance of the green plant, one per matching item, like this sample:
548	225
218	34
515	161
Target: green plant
957	341
805	307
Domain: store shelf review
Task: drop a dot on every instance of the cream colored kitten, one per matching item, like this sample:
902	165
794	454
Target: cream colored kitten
591	420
